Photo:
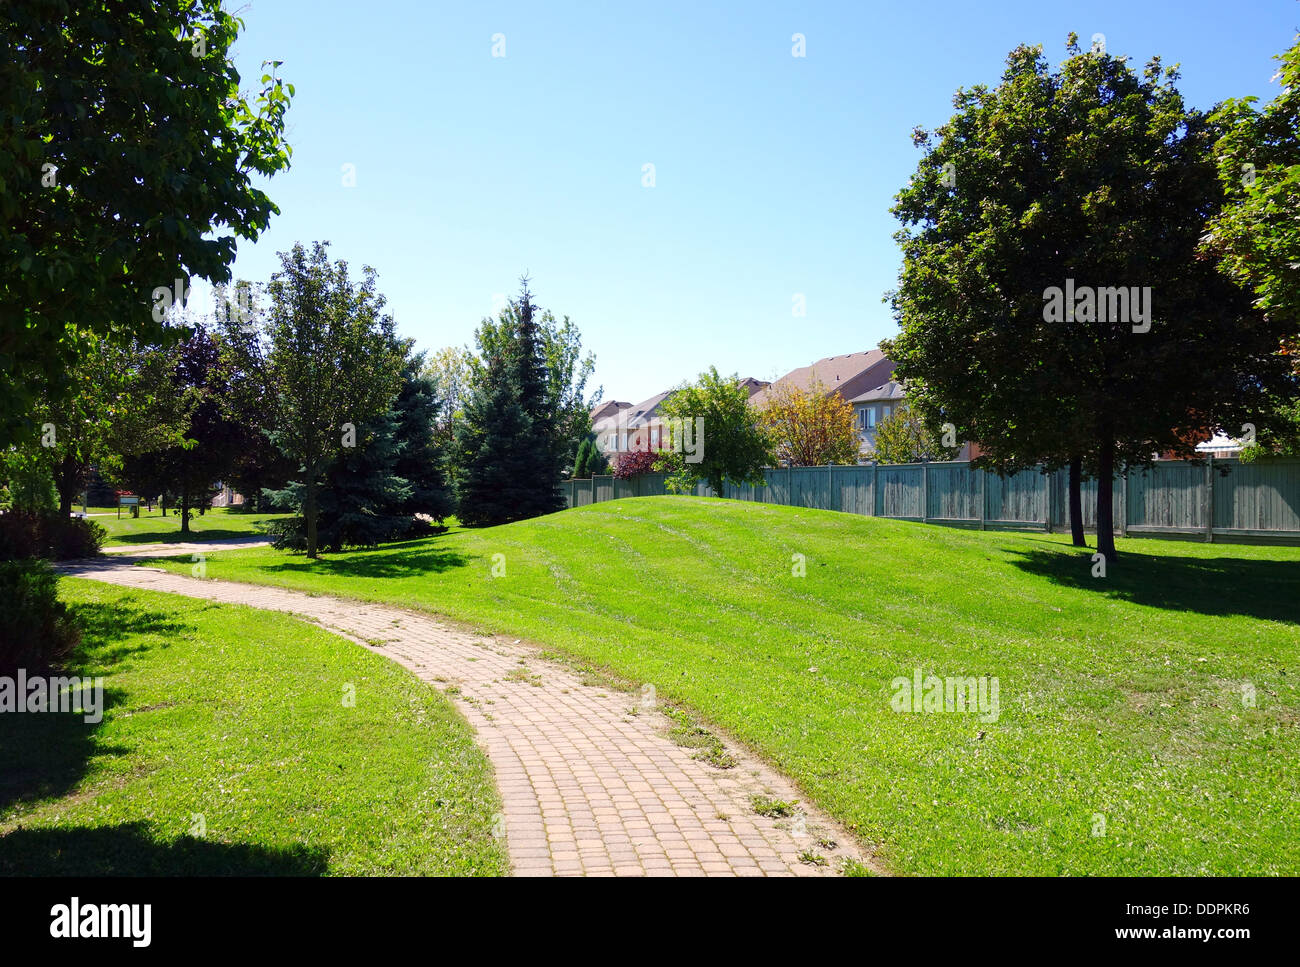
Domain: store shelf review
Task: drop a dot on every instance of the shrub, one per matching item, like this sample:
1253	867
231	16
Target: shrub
36	629
629	463
290	533
24	534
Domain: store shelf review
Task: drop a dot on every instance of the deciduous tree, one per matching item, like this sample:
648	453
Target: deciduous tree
127	158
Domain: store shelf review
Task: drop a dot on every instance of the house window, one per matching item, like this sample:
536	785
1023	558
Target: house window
871	417
885	411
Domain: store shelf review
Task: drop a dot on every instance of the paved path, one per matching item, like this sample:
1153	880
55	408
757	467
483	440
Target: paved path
590	781
179	549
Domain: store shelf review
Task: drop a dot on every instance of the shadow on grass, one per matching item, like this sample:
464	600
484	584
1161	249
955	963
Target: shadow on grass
1218	586
174	536
406	559
43	755
130	850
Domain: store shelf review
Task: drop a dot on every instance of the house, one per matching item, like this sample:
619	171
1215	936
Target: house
623	426
873	406
861	379
846	376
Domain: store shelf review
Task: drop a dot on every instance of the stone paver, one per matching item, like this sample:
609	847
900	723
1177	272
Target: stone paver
590	782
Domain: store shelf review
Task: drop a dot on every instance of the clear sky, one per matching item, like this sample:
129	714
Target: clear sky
774	174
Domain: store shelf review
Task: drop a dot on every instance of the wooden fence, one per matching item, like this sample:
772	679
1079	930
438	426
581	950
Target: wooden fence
1212	499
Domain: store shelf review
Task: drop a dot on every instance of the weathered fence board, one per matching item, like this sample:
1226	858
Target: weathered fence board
1216	498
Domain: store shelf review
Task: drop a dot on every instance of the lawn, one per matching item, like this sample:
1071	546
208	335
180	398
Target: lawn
1125	743
227	749
216	524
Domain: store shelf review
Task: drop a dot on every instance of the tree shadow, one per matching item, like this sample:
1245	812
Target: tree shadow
419	559
129	849
43	755
174	536
1217	586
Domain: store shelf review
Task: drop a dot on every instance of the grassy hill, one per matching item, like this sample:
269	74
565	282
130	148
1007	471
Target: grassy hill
1125	744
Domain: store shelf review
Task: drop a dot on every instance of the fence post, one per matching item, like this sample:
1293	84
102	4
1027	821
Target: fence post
984	508
925	491
875	488
593	488
830	487
1050	490
1209	499
1123	504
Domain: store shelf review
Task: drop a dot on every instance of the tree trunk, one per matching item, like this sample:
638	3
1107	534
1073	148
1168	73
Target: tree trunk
309	511
67	478
185	508
1076	502
1105	488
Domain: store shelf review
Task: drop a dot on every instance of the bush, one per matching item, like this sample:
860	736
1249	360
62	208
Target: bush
629	463
36	629
24	534
290	533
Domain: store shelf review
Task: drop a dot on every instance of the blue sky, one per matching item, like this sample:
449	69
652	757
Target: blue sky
773	174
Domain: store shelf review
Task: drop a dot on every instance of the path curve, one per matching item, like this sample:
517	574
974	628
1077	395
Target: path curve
588	785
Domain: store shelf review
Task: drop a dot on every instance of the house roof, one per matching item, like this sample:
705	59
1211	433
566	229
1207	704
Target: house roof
608	408
893	390
847	375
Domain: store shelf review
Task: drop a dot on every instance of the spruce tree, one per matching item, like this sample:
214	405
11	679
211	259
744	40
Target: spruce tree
507	445
421	460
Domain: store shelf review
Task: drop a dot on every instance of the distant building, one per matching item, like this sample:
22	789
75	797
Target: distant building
846	376
623	426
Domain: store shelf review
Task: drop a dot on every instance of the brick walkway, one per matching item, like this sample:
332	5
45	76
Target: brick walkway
590	781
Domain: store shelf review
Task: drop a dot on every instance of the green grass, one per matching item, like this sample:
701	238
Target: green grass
238	716
1121	698
216	524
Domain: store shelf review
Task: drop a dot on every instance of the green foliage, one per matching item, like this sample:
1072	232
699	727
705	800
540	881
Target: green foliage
591	460
421	453
27	484
48	534
451	369
903	437
510	444
124	402
810	427
372	492
213	441
36	631
715	419
567	371
127	159
1256	236
1098	174
325	361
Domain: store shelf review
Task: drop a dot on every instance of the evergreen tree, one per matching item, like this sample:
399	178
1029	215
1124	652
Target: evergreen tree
581	470
371	493
508	450
421	460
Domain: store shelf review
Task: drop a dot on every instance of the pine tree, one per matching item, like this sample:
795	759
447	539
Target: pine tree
372	492
421	460
582	465
491	442
507	447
